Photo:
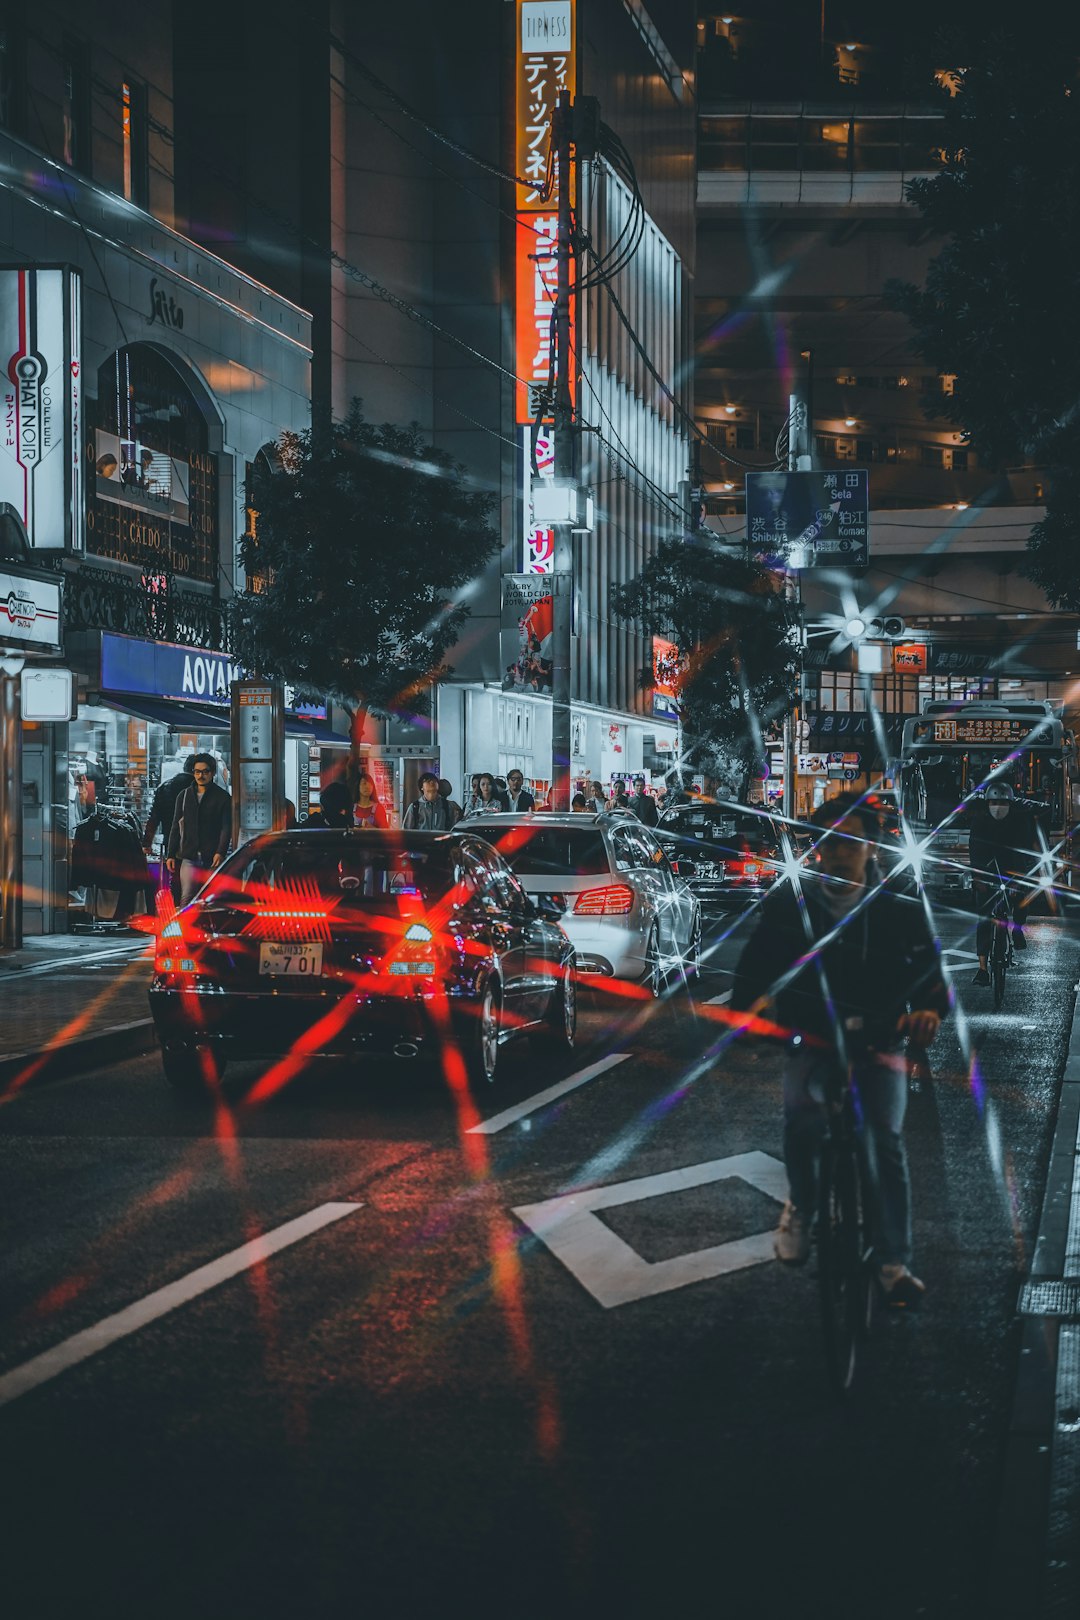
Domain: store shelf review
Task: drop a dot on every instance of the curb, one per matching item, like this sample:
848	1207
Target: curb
1038	1547
110	1045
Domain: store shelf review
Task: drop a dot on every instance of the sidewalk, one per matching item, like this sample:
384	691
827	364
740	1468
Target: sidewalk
71	1002
1039	1518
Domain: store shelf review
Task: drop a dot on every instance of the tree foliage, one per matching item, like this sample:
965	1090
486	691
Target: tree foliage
736	634
1000	309
365	538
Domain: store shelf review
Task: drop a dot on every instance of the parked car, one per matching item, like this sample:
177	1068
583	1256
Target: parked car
348	942
626	914
728	855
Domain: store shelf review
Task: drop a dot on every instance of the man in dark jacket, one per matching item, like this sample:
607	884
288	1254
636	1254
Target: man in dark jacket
642	804
333	808
850	974
201	829
520	800
161	815
1005	842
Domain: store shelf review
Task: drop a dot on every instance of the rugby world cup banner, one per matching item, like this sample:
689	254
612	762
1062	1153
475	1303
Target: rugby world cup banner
41	468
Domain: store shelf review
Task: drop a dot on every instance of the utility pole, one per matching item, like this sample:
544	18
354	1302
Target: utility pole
566	474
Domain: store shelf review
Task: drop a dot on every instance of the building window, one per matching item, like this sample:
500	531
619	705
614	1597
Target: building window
136	143
864	450
154	491
12	77
76	105
931	455
960	461
745	439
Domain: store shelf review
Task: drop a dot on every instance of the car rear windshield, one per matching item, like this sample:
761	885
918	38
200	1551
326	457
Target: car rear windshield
755	832
367	876
554	851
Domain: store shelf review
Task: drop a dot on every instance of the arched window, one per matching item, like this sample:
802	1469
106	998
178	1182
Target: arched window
153	476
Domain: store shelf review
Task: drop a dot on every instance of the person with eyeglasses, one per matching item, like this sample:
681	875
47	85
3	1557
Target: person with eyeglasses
201	829
521	800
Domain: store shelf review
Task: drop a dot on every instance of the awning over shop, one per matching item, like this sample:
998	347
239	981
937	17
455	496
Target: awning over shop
186	717
177	716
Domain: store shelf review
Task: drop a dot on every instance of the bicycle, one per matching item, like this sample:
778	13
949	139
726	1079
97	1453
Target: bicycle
844	1246
1000	911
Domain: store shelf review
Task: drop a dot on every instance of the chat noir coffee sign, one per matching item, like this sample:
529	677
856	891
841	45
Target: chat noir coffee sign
810	519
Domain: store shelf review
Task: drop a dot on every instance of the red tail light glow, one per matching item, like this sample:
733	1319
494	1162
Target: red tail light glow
615	900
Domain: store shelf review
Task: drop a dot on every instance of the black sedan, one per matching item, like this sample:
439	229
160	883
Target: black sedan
728	855
326	943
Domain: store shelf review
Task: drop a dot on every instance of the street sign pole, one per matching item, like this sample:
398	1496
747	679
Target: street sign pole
258	752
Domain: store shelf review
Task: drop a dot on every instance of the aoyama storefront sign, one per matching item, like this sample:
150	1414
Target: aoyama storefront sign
164	669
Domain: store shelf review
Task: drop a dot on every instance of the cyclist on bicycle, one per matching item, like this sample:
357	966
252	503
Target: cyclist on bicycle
851	970
1004	842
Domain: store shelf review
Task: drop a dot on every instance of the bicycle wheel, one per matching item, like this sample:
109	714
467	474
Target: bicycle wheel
843	1270
997	964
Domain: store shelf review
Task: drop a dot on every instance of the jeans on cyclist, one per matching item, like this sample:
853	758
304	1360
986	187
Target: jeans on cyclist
881	1093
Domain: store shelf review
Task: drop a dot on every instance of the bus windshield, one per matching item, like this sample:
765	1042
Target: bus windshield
935	781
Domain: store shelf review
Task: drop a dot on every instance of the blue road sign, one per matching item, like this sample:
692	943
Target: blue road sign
810	519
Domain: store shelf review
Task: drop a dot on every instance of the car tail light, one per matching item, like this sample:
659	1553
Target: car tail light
615	900
174	952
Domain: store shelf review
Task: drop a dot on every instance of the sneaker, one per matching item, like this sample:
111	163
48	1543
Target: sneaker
1019	941
981	978
903	1292
791	1241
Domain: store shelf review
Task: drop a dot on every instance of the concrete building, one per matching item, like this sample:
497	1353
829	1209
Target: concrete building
189	368
807	141
366	205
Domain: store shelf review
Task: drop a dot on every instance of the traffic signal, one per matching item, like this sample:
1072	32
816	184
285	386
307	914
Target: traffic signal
890	628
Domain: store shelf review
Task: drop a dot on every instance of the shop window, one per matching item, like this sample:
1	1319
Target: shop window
154	480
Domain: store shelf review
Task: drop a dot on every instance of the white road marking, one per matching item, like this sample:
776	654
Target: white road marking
72	963
719	1001
69	1352
961	954
611	1270
499	1122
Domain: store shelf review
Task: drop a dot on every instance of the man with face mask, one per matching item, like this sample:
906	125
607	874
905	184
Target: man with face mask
1004	839
846	963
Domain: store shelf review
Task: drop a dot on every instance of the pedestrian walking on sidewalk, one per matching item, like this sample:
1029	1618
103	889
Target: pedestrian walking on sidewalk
201	829
160	819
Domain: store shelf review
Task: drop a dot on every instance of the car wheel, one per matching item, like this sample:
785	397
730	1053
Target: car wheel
653	982
192	1071
482	1048
558	1033
692	959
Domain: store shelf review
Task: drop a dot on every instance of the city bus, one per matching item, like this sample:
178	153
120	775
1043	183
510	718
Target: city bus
952	748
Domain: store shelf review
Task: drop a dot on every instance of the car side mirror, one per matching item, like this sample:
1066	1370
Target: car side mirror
549	906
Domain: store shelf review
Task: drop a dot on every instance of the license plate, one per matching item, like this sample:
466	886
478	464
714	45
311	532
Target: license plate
427	969
294	961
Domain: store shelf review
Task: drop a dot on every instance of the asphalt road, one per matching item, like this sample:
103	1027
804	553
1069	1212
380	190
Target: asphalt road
435	1403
